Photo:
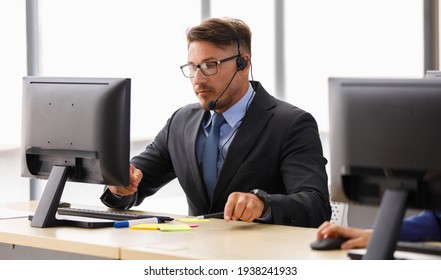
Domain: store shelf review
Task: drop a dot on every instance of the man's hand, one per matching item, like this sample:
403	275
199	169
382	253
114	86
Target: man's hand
243	206
135	178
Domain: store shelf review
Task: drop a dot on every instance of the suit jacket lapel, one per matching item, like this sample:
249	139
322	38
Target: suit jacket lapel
190	135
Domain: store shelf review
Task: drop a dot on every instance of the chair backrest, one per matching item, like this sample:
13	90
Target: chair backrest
339	213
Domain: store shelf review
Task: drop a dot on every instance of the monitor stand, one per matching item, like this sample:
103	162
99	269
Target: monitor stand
387	225
45	215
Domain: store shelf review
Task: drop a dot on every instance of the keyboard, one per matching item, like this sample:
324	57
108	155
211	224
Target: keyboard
403	249
108	215
416	247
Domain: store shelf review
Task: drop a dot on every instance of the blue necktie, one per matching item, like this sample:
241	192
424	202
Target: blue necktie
210	154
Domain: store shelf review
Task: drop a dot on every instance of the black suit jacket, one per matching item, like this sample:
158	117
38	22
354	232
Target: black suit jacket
277	149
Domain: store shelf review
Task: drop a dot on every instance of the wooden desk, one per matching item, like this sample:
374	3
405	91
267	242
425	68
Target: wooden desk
216	239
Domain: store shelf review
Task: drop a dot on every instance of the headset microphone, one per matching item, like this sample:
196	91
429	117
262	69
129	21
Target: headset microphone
212	104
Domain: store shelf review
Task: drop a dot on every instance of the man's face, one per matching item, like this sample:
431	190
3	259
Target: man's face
209	88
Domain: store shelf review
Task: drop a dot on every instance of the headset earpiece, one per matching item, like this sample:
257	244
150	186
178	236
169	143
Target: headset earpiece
241	63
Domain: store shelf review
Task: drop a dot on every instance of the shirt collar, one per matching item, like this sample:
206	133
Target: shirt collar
235	113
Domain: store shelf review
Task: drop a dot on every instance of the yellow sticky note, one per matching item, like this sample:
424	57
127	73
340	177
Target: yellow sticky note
145	226
192	220
174	227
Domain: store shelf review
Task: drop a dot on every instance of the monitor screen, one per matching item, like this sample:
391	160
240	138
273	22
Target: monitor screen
74	129
385	145
384	133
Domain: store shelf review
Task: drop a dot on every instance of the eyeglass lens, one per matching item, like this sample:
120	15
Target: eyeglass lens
207	68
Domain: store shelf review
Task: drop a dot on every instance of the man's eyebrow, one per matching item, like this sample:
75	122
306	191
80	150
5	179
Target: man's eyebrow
211	58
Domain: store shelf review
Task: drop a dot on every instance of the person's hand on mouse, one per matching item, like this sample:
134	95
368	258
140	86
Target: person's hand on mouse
358	238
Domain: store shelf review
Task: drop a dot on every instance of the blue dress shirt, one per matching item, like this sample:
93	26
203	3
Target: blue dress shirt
233	117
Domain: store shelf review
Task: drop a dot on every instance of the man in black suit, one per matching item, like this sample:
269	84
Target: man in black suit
269	164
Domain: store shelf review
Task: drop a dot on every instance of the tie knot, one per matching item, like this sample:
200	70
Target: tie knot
218	120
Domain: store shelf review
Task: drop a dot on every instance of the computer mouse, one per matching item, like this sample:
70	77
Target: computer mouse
331	243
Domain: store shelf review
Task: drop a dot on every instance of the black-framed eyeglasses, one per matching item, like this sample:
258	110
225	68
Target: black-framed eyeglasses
208	68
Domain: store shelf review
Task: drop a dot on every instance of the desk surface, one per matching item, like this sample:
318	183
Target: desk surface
215	239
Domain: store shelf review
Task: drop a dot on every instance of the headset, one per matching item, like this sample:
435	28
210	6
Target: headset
241	65
240	61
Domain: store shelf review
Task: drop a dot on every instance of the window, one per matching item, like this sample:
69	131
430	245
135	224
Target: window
12	69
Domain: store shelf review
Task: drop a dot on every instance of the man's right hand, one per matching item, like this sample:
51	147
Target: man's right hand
135	178
358	238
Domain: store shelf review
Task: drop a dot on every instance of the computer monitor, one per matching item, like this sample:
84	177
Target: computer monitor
385	149
74	129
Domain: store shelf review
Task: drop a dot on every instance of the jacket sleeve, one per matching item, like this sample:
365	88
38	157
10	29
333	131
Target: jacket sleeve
425	226
112	200
306	202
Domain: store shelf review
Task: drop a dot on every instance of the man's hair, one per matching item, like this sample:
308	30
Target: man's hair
223	32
